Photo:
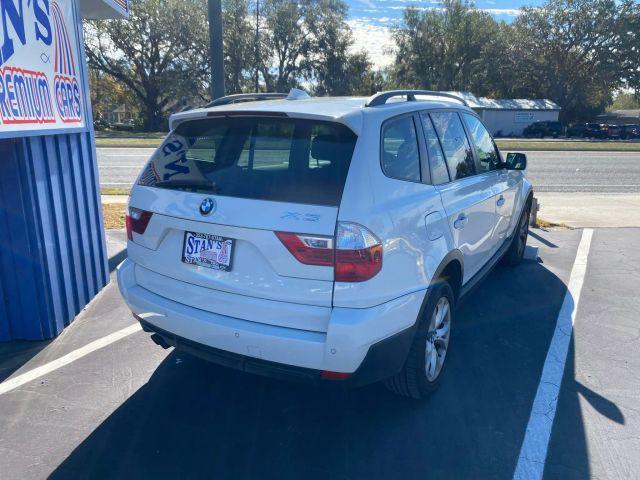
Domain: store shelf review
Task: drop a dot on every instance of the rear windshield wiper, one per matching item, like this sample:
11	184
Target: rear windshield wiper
189	185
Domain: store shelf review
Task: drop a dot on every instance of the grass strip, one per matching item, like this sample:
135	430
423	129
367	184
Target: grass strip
113	215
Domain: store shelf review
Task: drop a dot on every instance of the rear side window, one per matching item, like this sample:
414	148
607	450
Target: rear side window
439	173
400	157
486	150
453	139
279	159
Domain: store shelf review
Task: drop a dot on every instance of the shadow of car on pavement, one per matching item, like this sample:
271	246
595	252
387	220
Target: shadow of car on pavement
197	420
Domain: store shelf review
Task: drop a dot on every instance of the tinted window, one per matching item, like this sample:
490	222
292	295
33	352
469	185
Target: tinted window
439	173
281	159
486	150
453	139
400	158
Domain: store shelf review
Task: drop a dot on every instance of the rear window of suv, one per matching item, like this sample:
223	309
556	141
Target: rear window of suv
262	158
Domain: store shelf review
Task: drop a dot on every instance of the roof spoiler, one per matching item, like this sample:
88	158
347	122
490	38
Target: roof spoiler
381	98
294	94
245	97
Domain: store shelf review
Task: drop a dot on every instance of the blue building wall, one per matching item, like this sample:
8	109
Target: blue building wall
52	249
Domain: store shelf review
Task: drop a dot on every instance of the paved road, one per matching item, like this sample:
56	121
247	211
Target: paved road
589	172
594	172
119	167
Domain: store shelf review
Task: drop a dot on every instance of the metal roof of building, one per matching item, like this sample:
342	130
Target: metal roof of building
507	103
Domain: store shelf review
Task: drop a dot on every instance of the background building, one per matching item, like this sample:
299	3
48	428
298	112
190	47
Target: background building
620	117
508	117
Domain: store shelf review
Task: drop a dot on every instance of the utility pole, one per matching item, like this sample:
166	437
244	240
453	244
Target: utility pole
257	55
217	54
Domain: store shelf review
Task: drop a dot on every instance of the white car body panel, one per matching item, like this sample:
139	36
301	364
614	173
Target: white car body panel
508	185
263	267
471	198
341	349
395	211
270	306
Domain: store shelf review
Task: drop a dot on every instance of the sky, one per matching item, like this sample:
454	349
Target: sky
371	20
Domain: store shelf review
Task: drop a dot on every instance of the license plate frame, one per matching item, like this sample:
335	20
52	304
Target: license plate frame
203	261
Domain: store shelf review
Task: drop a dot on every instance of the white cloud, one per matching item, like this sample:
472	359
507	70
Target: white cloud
374	39
417	1
512	12
367	3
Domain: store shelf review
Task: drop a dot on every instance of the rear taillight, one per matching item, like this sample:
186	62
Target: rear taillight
356	253
137	221
309	249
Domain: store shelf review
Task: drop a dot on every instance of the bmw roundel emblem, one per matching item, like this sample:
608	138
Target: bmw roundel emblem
208	206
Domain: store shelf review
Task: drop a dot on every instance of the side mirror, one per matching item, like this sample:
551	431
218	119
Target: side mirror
516	161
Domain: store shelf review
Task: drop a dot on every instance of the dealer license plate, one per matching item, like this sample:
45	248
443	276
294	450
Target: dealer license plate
211	251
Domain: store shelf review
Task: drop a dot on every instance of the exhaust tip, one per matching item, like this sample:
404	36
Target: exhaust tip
159	340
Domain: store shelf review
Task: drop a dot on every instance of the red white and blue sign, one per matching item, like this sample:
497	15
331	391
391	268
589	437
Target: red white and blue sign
40	81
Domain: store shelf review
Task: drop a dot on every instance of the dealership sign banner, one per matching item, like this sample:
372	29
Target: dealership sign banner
40	67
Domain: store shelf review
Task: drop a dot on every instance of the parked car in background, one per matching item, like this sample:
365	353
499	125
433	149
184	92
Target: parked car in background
128	126
587	130
577	130
630	131
322	239
614	131
543	129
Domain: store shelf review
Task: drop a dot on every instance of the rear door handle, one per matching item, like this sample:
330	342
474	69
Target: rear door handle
501	201
460	222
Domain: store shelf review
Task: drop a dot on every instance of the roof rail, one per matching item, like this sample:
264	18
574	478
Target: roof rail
245	97
381	98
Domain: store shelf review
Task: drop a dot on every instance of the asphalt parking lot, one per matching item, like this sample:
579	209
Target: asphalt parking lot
133	410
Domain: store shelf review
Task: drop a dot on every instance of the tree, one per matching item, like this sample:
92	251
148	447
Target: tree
569	51
574	52
331	66
239	46
629	24
310	41
158	53
107	94
285	43
444	49
625	101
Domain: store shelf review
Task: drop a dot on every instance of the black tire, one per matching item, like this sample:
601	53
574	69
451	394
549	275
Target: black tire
412	380
514	255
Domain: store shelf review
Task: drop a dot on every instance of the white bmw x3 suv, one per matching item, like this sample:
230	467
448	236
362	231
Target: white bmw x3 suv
321	239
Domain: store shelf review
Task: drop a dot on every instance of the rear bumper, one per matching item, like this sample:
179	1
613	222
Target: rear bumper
383	360
369	343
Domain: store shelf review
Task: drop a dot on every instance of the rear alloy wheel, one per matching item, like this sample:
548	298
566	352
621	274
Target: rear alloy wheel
438	339
426	361
519	243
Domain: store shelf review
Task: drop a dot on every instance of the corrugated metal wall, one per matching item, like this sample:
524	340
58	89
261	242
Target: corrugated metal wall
52	249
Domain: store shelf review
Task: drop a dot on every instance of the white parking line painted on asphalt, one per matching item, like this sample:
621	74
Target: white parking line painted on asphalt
533	452
145	155
108	167
38	372
587	186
